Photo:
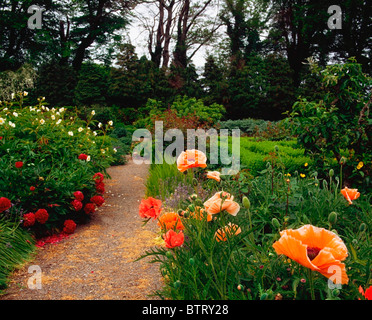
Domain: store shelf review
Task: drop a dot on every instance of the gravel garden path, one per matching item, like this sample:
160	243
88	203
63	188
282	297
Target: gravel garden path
97	261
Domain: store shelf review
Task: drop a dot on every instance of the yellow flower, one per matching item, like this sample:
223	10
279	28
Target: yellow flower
287	174
302	175
306	164
360	165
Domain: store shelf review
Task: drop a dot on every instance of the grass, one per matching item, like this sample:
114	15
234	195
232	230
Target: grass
16	247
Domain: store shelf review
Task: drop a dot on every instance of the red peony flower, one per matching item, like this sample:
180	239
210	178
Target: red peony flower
150	208
89	208
29	219
32	188
19	164
100	187
41	215
78	205
5	204
97	200
99	177
69	226
82	156
79	195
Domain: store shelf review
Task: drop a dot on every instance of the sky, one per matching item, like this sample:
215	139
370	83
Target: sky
138	36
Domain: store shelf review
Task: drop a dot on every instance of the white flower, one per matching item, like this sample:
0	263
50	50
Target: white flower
94	133
88	158
46	108
80	129
103	150
110	123
12	96
53	117
11	124
93	112
53	110
2	121
42	121
100	125
70	133
43	107
61	109
5	109
25	93
15	114
59	121
115	150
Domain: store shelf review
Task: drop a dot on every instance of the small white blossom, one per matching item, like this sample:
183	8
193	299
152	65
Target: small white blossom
115	150
59	121
2	121
93	112
53	117
80	129
110	122
61	109
88	158
100	125
70	133
94	133
42	121
25	93
15	114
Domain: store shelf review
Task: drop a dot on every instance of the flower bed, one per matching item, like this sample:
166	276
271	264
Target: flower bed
283	237
53	166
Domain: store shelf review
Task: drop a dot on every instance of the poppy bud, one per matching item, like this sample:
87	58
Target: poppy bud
362	227
191	261
177	284
332	217
331	172
169	255
246	203
275	223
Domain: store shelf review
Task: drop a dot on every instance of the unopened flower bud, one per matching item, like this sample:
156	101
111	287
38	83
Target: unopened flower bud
331	172
194	182
264	296
177	284
332	217
246	203
362	227
275	223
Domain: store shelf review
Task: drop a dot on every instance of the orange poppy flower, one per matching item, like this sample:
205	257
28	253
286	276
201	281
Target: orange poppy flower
173	239
222	201
223	233
170	220
150	208
315	248
215	175
350	194
191	159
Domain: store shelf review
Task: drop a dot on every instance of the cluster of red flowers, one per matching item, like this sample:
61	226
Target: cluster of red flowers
151	208
40	216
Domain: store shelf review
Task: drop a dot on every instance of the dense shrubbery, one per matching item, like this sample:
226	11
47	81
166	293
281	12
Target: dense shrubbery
338	125
52	164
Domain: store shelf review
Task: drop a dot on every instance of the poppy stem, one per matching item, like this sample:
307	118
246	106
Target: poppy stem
311	283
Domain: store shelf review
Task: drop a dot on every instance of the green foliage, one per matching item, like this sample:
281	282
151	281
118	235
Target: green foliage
339	122
48	142
245	266
16	247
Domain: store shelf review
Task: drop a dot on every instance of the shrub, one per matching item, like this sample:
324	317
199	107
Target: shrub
47	154
339	122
